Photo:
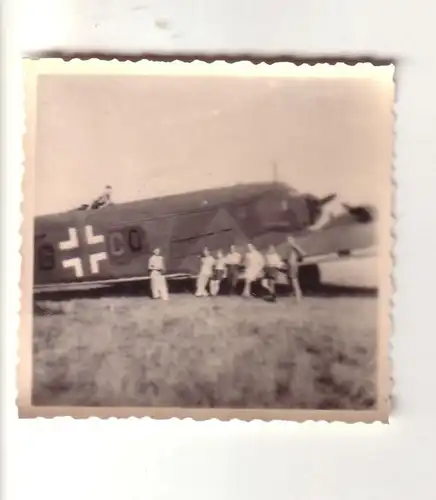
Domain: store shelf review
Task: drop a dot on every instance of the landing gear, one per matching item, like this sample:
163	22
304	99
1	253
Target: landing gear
309	278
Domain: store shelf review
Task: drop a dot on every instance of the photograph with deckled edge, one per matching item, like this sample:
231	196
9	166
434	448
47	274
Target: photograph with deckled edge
208	242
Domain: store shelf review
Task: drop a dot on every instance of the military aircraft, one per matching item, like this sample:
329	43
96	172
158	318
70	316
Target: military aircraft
99	246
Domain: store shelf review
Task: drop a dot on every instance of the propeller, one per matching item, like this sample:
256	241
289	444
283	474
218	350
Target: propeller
327	199
315	206
360	213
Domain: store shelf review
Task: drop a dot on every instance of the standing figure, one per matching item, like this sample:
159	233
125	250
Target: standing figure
254	263
218	274
233	261
273	262
156	266
206	269
294	254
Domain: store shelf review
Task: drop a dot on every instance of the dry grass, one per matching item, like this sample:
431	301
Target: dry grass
221	352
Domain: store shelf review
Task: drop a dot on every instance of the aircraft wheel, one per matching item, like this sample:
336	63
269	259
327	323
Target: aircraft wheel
309	277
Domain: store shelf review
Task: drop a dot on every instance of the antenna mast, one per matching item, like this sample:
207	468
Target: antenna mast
275	173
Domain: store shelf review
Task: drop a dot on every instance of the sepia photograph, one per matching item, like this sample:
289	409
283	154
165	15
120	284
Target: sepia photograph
207	240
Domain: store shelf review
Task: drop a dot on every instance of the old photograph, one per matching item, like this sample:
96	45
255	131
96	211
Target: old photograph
207	240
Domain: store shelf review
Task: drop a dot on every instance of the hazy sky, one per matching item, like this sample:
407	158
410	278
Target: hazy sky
152	135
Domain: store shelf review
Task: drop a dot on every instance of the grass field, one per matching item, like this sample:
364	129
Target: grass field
210	352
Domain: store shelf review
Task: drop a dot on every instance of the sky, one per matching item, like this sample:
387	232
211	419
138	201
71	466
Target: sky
154	135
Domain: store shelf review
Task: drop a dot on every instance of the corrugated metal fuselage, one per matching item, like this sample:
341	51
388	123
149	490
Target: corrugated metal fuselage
115	242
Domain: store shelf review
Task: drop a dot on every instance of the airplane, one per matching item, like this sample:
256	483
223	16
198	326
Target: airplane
96	247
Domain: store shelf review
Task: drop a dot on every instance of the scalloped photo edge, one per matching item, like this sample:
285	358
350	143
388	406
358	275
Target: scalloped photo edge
33	69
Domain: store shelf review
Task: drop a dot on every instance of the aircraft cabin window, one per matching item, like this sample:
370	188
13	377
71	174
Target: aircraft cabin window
46	257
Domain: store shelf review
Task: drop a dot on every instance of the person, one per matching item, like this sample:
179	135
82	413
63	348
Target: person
219	272
156	267
103	200
254	263
273	262
206	269
233	262
294	254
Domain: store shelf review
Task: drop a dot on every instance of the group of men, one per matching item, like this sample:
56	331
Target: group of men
215	270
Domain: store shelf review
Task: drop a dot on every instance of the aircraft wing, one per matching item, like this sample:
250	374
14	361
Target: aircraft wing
337	242
95	285
340	255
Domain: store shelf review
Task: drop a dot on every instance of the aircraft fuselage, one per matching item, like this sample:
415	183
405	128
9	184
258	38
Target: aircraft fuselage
115	242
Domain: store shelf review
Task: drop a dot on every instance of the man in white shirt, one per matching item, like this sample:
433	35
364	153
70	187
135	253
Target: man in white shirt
273	262
156	266
218	274
233	262
254	263
206	269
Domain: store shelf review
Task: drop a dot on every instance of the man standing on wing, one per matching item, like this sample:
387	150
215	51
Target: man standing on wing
156	266
294	254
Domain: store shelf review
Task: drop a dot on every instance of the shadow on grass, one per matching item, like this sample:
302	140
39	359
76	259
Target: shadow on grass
325	290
